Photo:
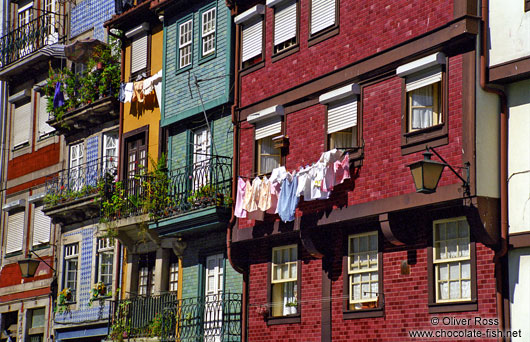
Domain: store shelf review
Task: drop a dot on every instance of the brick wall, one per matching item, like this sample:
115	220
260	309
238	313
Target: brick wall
366	28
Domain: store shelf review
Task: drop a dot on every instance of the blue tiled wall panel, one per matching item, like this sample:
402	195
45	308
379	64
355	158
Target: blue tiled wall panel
91	14
86	259
182	98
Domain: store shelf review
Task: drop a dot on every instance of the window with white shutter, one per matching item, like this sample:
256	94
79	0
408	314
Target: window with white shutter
44	128
185	39
22	124
323	15
251	22
268	124
139	53
41	227
285	23
15	232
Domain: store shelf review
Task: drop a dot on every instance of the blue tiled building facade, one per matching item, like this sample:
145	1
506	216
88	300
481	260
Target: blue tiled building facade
91	14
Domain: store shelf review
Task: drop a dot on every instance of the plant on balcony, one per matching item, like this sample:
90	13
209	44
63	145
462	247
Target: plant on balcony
61	196
207	196
157	326
64	298
157	200
98	292
121	324
90	85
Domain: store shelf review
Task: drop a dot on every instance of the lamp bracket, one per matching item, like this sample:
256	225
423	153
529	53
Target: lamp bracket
466	166
41	259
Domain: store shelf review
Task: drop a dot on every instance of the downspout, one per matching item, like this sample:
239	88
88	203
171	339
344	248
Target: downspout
504	167
235	172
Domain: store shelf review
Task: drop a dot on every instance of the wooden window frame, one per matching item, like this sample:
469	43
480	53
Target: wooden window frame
327	32
290	319
433	136
377	311
258	155
454	306
293	48
181	22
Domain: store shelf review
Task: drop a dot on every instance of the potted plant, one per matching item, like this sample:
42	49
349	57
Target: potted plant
64	298
99	291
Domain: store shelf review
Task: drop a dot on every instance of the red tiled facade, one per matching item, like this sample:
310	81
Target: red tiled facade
367	30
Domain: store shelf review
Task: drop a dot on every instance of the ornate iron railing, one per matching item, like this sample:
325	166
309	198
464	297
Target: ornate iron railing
203	184
79	181
45	30
212	318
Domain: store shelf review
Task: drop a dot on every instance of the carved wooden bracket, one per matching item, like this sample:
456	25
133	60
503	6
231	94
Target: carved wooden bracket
390	230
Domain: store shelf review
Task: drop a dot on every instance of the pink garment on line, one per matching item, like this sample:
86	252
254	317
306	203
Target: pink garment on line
239	211
342	170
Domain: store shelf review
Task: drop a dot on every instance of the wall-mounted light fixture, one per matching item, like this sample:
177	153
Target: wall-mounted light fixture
29	266
427	173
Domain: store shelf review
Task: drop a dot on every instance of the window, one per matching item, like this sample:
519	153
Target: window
15	232
185	43
35	326
50	7
269	157
284	280
452	260
9	326
71	252
201	157
110	152
139	49
268	124
173	276
363	271
22	125
105	261
285	24
252	35
208	23
424	118
76	166
41	227
146	275
44	128
25	16
323	15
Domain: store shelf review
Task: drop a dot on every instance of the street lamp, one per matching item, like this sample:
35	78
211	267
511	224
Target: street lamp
427	173
29	266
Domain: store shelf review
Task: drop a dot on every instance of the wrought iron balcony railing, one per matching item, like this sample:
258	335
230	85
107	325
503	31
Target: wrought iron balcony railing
79	181
206	183
209	318
44	30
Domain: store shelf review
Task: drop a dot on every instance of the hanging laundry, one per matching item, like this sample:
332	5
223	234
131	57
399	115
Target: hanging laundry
138	94
148	86
157	82
128	92
248	196
264	203
304	183
317	178
254	199
58	97
257	215
342	170
121	94
288	201
277	176
239	211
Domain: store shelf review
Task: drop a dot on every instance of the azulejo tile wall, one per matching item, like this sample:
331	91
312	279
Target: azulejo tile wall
91	14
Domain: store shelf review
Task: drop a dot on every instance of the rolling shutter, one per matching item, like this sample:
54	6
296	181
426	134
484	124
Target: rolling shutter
268	127
252	39
44	128
423	79
342	115
41	227
15	232
139	53
322	14
22	124
284	22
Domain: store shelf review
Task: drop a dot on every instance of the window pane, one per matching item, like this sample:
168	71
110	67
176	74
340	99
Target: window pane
444	271
454	271
466	270
466	289
444	291
454	290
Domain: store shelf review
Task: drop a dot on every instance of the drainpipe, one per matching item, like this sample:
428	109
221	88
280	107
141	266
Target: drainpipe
235	172
504	167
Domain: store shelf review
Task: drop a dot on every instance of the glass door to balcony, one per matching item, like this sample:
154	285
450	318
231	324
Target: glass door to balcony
50	7
25	17
213	304
75	178
201	157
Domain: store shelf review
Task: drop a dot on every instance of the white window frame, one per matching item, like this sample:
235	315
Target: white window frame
139	36
16	223
76	164
146	278
185	43
71	255
41	235
22	124
460	259
252	32
173	276
362	269
208	31
43	128
105	247
110	151
268	124
285	23
278	267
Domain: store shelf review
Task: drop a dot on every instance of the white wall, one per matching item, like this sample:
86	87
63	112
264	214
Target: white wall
519	281
519	156
509	31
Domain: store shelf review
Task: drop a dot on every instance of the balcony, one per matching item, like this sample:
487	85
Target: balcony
197	195
28	39
209	318
71	194
89	98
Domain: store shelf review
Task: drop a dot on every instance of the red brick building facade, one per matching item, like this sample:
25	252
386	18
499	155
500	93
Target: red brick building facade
372	53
